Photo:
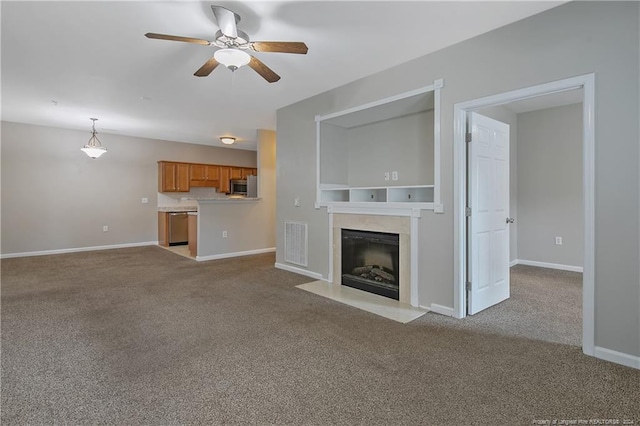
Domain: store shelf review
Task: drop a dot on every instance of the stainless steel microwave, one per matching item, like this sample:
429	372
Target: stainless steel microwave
247	187
238	187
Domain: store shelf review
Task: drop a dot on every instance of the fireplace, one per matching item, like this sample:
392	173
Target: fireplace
370	262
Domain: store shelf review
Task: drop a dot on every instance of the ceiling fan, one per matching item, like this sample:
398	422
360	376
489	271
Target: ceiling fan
232	45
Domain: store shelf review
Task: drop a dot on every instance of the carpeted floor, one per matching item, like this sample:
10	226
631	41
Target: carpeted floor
545	304
144	336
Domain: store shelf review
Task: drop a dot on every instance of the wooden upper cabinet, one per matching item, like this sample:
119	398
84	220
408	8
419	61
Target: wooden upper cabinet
173	177
236	172
180	177
225	177
205	175
213	172
198	171
248	172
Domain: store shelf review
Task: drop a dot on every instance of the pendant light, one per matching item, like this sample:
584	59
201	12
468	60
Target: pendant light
94	148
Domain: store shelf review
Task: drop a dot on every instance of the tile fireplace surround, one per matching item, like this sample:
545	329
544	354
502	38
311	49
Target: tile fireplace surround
400	225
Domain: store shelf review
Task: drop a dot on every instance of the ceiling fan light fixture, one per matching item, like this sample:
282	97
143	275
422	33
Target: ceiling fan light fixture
232	58
94	148
227	140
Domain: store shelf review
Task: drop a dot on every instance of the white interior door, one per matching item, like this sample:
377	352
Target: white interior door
488	223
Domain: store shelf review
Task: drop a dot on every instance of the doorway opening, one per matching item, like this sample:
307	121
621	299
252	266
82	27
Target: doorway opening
461	190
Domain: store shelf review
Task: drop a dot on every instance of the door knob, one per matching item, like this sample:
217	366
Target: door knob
510	220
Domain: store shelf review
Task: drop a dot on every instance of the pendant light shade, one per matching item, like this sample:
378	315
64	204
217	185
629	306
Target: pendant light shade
94	148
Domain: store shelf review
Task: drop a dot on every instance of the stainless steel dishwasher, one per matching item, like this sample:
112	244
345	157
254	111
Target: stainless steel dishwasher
178	228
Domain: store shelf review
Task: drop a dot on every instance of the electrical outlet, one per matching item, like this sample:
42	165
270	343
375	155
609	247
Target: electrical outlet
105	228
224	234
296	201
394	175
387	176
144	200
558	241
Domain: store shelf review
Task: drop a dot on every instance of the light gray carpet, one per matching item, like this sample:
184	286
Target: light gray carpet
545	304
144	336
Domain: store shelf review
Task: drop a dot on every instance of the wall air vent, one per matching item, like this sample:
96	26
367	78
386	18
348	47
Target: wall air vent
295	243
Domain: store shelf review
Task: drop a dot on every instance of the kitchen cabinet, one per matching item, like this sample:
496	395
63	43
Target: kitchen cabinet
181	177
163	229
225	177
193	234
204	175
242	172
236	173
173	177
248	172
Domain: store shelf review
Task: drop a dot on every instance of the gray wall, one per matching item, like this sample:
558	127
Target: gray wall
403	144
55	197
573	39
334	155
550	185
250	225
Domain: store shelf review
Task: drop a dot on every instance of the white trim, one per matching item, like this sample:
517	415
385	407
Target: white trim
331	242
235	254
318	193
436	205
587	82
621	358
589	203
437	201
76	250
379	102
366	209
439	309
514	263
299	271
547	265
413	266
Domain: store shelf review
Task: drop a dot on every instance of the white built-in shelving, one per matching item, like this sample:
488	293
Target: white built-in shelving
358	148
389	194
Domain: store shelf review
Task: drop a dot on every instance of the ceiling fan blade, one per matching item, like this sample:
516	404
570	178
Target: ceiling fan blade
267	73
227	21
178	38
280	46
206	69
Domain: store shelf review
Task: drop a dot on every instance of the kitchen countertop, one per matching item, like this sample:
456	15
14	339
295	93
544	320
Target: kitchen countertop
227	200
170	209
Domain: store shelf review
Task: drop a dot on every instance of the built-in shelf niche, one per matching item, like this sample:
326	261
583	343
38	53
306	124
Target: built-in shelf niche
360	148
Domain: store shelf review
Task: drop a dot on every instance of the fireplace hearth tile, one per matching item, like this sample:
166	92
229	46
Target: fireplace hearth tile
369	302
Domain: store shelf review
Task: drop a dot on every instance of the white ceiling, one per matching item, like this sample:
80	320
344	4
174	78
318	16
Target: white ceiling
64	62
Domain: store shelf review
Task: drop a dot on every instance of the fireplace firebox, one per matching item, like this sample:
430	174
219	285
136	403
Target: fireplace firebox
370	262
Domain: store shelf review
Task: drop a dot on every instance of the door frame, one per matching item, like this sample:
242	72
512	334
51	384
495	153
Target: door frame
587	83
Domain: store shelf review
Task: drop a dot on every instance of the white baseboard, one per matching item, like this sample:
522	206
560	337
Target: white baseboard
300	271
235	254
617	357
76	250
547	265
438	309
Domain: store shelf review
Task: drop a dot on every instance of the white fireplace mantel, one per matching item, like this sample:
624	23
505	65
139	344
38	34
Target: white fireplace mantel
406	225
